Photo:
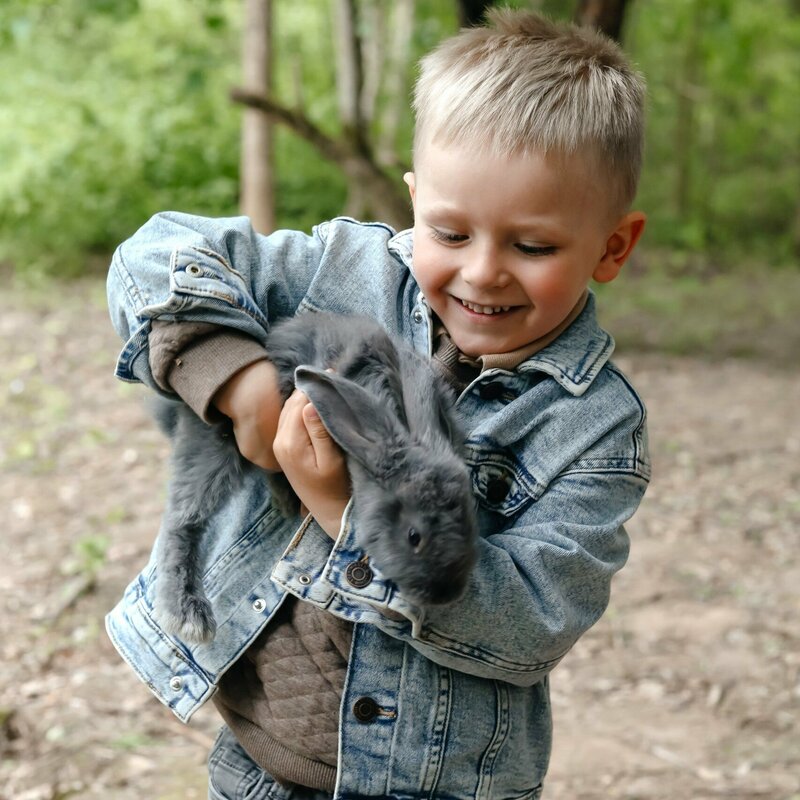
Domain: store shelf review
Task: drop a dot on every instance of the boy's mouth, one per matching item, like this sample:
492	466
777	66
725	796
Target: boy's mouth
486	311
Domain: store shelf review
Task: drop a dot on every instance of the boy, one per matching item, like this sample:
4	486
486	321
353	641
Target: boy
527	153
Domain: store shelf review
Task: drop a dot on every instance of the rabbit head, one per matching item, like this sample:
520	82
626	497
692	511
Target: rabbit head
414	511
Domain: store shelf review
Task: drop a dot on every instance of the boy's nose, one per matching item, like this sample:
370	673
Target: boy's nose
482	268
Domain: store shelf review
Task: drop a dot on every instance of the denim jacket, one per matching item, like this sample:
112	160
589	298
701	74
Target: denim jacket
457	696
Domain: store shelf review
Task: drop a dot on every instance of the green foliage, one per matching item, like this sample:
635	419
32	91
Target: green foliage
119	108
723	114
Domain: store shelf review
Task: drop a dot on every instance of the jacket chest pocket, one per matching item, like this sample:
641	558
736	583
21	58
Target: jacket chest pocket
500	483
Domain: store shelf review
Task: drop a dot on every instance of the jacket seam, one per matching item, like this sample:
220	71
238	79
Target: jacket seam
446	644
132	291
637	469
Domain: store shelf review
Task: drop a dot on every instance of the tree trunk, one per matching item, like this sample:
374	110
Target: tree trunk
399	49
372	191
606	16
349	87
373	55
257	180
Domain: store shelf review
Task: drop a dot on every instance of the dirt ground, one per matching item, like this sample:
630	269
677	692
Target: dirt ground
689	687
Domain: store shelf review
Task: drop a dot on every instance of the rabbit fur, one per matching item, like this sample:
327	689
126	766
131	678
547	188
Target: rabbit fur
392	414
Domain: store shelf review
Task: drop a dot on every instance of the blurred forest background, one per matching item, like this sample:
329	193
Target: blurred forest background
112	110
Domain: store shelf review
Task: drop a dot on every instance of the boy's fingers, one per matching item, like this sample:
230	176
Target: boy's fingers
292	408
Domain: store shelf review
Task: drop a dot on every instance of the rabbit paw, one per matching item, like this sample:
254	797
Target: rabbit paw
192	620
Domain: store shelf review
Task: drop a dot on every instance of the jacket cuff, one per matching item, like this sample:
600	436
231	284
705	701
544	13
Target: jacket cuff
199	370
337	577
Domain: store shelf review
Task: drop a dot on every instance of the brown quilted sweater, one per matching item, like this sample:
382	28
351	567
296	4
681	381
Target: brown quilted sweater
281	699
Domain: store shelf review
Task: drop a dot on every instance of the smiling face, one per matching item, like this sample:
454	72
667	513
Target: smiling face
504	246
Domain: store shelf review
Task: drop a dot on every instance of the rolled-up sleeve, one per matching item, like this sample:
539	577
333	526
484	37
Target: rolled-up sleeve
183	268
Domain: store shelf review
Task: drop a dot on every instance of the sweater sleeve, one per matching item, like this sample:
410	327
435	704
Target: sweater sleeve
195	359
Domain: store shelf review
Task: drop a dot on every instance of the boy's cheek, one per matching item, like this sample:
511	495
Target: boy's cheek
425	271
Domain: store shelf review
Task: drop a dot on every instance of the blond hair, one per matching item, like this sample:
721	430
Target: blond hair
525	84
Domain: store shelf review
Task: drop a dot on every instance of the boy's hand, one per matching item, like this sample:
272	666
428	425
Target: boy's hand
252	401
313	463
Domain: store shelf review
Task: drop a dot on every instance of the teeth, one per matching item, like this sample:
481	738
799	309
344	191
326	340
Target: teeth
484	309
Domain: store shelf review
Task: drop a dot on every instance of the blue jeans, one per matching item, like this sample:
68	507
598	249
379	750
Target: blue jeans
233	775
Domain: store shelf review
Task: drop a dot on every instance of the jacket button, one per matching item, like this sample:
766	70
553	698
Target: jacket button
496	490
176	683
418	317
491	391
365	709
358	574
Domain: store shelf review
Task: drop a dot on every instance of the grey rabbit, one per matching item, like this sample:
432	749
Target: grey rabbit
391	413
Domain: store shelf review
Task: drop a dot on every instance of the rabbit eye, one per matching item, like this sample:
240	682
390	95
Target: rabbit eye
414	537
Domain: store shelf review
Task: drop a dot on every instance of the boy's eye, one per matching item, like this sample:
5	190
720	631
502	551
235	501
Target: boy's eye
448	238
536	250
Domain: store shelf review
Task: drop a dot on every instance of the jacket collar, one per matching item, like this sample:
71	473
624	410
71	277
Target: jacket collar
574	359
578	355
401	245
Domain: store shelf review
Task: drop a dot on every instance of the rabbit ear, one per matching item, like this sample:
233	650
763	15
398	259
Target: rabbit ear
358	422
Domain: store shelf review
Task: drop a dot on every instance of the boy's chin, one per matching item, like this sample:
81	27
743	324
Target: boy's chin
474	346
487	338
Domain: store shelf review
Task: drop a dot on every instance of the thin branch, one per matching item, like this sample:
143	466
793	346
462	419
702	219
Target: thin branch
298	122
349	70
359	166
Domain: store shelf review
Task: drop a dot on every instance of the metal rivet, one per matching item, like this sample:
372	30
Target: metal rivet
259	605
304	579
358	574
176	683
193	269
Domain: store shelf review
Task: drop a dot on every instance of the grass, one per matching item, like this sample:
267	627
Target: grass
742	313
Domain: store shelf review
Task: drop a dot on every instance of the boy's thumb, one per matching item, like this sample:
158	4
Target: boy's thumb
314	426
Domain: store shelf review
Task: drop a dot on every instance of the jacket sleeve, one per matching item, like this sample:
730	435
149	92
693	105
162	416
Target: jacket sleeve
538	585
182	268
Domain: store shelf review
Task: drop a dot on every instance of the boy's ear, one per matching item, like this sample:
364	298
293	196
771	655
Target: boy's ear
619	246
411	182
